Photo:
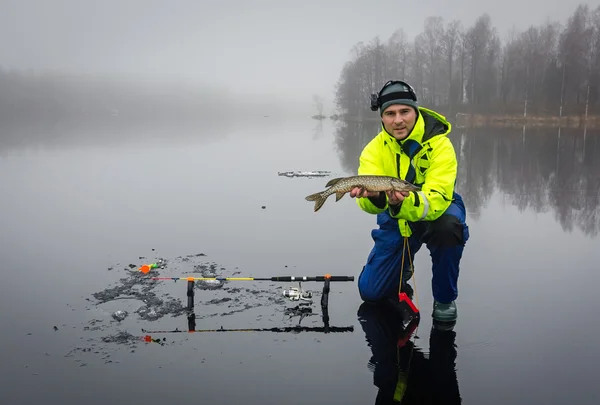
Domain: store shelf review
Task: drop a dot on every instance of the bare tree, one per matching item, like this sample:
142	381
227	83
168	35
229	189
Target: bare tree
450	45
573	49
397	49
433	36
318	104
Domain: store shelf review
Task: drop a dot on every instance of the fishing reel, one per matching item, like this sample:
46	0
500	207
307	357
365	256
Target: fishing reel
298	294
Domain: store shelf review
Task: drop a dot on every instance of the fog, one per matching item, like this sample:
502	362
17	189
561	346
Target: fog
137	132
285	48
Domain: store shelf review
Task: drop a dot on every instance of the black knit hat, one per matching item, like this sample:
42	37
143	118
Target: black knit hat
398	93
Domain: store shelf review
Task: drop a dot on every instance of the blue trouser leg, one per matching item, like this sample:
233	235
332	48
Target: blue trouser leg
380	277
445	238
445	268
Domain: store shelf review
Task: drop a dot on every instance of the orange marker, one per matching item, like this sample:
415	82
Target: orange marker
146	267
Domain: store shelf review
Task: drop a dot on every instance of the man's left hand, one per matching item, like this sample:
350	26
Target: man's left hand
396	197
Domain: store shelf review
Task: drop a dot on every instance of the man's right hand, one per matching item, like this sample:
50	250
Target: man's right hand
355	193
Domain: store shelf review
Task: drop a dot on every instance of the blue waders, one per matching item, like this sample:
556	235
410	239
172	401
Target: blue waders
445	238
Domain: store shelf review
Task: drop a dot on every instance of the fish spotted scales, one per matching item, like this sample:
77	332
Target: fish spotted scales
342	185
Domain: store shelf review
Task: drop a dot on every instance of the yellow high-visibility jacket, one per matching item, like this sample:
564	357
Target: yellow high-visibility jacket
425	158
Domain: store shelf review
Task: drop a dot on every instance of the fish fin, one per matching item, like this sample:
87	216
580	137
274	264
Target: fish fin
333	181
318	198
339	195
314	196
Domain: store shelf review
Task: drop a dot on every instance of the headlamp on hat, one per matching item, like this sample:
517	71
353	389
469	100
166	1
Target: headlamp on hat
394	92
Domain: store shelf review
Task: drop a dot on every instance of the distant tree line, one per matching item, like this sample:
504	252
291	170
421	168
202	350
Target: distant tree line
49	97
551	69
44	99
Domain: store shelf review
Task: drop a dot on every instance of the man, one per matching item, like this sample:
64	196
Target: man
412	145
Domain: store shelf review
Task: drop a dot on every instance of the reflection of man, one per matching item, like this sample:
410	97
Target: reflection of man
400	370
414	146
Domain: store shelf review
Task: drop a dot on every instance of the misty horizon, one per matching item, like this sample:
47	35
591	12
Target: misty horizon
264	48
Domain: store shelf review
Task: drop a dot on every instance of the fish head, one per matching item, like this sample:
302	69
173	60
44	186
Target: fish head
403	185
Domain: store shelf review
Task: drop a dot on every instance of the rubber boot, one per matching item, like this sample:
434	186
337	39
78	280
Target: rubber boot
444	312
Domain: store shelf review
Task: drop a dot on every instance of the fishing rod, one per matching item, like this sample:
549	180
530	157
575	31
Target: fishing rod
294	294
145	268
277	278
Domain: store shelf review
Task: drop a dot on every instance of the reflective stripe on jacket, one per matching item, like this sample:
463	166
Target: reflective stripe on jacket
425	158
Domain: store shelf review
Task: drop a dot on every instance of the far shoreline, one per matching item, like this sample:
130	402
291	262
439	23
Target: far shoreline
462	120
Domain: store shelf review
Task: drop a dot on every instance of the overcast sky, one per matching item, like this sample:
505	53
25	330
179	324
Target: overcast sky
262	45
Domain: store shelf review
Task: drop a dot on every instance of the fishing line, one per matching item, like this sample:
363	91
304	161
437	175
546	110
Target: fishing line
412	267
405	248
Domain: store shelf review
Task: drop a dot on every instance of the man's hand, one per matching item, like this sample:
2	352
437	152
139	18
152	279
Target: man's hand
356	193
396	197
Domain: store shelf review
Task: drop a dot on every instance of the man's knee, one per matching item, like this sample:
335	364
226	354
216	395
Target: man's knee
372	290
375	296
375	286
446	231
371	296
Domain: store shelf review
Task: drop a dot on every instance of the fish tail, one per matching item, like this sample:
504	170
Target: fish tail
319	199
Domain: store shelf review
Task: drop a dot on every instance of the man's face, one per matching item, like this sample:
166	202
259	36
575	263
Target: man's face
399	120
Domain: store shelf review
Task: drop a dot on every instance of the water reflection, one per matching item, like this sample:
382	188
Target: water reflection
539	169
402	372
113	132
350	138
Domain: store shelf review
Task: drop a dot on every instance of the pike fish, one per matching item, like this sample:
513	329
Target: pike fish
342	185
